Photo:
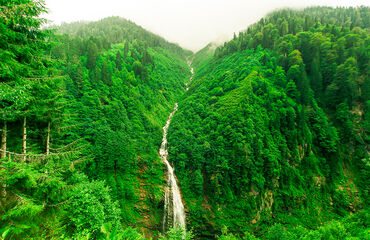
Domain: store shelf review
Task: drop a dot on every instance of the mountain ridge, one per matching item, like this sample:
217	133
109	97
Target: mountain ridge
269	142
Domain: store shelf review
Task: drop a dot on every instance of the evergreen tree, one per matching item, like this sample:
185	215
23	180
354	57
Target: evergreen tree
92	54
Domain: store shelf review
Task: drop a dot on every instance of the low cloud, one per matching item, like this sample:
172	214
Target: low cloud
190	23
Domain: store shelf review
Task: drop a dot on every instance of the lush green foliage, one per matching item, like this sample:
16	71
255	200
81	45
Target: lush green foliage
177	233
272	128
122	96
351	227
34	190
270	142
100	125
117	30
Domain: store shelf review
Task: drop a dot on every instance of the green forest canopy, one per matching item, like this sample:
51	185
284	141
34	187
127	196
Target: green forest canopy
271	140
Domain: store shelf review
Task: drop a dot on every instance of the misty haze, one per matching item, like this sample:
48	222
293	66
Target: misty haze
173	119
191	23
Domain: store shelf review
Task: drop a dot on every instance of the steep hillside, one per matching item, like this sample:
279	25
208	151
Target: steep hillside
123	94
269	140
117	30
274	128
93	128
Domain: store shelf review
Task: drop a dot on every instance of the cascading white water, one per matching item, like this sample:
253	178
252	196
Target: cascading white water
174	214
191	76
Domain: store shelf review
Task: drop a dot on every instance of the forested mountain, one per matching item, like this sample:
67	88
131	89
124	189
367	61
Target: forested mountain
274	129
90	106
123	87
269	142
117	30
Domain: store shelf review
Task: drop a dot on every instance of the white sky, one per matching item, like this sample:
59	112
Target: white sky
190	23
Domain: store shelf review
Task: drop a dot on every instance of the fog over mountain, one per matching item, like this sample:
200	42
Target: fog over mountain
111	128
190	23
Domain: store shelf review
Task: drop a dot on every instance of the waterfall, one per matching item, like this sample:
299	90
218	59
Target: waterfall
174	214
191	76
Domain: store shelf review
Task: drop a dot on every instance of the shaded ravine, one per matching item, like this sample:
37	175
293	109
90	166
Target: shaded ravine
174	214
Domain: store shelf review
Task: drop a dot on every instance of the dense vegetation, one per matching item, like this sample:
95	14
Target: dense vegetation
274	128
270	142
124	93
83	116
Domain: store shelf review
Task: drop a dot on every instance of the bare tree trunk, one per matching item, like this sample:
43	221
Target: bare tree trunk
48	140
24	142
3	155
3	141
